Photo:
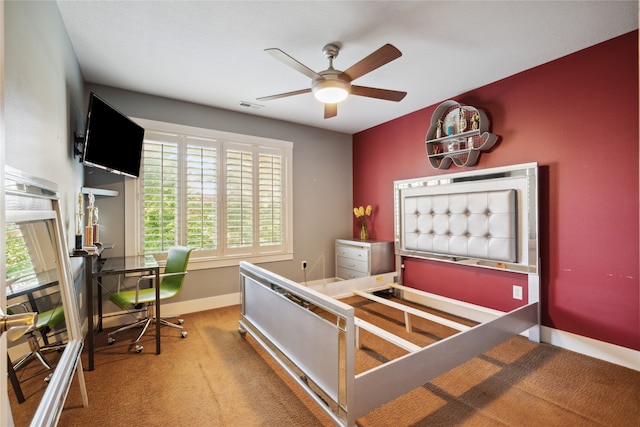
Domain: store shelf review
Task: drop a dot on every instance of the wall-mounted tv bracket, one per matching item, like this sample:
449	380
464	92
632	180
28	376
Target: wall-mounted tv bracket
78	144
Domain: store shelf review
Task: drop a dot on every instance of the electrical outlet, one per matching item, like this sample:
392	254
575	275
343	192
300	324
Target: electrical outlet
304	265
517	292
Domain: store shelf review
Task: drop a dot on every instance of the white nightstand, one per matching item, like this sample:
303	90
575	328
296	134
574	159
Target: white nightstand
359	258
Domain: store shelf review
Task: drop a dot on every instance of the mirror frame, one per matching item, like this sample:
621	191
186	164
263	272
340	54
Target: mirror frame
28	198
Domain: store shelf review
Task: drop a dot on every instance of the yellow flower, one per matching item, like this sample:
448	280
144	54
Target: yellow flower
360	211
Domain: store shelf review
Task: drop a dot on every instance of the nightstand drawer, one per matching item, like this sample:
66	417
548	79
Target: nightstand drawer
354	264
345	273
352	252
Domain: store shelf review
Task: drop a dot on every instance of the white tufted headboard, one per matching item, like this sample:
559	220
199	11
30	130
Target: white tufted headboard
480	225
486	218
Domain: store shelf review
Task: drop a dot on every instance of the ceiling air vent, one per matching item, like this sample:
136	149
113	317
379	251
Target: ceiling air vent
251	105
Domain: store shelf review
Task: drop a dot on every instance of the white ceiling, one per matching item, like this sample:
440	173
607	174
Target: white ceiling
212	52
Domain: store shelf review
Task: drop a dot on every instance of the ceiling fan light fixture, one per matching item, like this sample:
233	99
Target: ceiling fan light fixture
332	86
331	91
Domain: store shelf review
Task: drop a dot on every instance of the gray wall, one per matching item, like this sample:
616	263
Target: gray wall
322	186
46	101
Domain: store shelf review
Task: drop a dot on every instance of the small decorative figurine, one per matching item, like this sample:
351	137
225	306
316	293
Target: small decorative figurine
462	121
79	223
439	129
96	228
475	121
88	230
449	126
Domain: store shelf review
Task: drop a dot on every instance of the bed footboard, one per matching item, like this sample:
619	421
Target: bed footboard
309	334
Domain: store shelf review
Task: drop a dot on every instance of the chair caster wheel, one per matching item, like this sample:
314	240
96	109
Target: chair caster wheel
110	341
180	321
139	348
183	334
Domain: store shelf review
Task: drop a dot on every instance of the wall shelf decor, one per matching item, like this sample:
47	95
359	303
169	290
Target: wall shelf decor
457	134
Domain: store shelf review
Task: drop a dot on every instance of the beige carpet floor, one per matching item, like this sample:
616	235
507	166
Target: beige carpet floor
214	377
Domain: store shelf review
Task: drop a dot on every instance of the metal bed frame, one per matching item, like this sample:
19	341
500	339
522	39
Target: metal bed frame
314	336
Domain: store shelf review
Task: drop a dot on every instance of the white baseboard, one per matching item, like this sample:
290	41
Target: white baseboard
200	304
183	307
588	346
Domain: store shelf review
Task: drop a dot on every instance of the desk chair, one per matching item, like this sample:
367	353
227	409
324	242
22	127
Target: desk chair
47	321
170	285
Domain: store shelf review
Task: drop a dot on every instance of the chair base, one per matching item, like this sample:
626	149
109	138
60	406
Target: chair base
37	353
27	358
144	323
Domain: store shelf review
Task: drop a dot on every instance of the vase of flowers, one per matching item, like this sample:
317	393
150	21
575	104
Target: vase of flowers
361	214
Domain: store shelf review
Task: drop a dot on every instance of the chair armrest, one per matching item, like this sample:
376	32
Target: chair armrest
19	304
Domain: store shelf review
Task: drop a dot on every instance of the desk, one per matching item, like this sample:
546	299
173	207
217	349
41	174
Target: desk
31	284
97	267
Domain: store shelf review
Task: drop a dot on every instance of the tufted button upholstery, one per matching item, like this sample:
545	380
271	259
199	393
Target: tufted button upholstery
479	225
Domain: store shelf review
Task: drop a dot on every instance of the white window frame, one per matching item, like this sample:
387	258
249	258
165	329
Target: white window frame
204	259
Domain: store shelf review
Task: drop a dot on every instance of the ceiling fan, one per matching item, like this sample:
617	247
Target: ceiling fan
332	86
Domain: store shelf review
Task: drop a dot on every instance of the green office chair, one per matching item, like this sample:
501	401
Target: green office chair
170	285
47	321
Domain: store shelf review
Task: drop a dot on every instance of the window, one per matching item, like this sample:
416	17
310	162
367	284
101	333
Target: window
226	195
18	260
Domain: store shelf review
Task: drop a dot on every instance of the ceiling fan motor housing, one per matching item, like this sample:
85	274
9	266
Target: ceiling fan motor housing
330	88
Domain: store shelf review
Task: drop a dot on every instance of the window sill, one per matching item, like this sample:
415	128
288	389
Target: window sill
204	263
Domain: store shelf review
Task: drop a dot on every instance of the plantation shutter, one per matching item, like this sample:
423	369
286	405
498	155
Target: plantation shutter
270	199
160	197
239	192
226	198
202	194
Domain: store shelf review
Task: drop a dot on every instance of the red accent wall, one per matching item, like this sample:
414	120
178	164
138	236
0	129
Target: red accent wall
577	117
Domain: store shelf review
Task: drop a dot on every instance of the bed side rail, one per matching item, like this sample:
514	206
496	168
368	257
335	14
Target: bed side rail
415	369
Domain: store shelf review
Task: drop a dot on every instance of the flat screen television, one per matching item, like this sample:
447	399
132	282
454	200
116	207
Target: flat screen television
112	141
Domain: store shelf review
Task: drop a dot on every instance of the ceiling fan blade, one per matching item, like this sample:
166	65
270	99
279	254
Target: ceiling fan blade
284	95
287	60
377	59
330	110
372	92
